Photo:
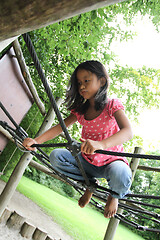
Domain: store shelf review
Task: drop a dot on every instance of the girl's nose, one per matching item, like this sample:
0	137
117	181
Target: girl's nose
81	86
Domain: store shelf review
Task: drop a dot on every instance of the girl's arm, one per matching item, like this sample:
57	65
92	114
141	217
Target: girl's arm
49	134
125	134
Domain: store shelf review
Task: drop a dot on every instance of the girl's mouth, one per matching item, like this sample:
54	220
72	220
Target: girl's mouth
83	92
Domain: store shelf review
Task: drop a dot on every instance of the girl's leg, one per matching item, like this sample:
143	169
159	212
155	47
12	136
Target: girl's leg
110	207
63	162
118	175
85	199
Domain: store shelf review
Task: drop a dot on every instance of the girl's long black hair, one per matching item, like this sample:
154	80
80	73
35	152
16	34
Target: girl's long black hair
74	100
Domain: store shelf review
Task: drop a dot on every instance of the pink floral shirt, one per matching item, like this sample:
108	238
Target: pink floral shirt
100	128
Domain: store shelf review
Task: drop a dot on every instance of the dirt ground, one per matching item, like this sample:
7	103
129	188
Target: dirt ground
34	214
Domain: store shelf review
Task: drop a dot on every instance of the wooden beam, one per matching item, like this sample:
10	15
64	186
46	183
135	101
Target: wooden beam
45	170
18	17
145	168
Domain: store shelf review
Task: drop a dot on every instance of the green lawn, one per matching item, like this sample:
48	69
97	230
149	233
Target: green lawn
81	224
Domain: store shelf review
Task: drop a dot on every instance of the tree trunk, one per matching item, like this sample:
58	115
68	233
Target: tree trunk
18	17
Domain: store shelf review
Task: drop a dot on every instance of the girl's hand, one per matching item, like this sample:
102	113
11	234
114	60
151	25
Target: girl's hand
27	143
89	146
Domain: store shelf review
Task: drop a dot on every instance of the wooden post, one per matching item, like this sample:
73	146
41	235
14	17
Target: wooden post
13	181
113	223
50	238
27	77
5	215
15	221
27	230
135	162
39	234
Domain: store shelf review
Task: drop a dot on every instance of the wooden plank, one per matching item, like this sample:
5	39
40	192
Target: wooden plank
18	17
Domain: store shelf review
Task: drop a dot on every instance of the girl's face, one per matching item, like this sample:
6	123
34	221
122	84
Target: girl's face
88	84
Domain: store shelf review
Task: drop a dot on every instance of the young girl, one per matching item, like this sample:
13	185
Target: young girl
104	126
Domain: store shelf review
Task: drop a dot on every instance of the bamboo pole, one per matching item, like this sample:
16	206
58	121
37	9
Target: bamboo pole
17	173
113	223
27	77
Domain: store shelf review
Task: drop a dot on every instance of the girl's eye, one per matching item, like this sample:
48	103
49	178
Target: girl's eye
85	81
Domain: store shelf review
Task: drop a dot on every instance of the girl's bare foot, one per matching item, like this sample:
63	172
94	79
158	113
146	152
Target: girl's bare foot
84	200
111	207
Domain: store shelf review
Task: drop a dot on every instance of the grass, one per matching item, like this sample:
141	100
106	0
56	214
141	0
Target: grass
81	224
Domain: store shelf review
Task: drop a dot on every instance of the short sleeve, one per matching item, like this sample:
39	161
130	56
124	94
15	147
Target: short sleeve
73	112
114	105
79	116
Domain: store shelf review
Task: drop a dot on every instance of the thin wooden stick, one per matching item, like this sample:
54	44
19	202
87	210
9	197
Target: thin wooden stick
27	76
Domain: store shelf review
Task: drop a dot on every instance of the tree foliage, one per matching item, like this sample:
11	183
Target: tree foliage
131	8
139	88
62	46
